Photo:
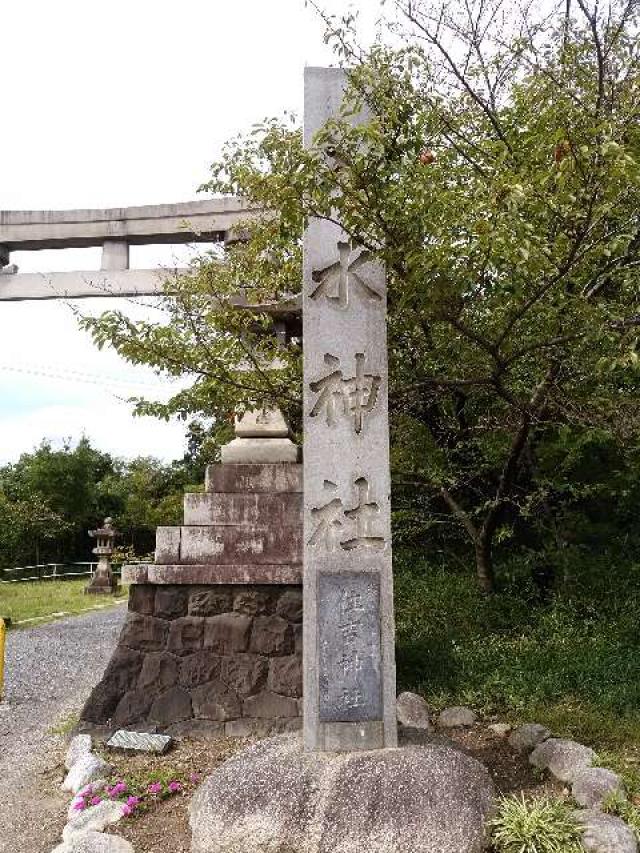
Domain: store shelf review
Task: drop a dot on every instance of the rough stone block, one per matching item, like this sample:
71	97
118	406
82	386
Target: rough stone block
214	573
254	478
298	636
290	605
252	601
159	672
80	745
243	510
196	729
268	705
209	602
245	674
171	707
565	759
272	635
215	701
200	667
245	727
413	711
185	635
171	602
139	742
227	633
265	423
285	676
142	599
132	708
144	633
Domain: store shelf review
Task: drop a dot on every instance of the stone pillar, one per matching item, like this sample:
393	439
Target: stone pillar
103	581
349	654
262	437
115	255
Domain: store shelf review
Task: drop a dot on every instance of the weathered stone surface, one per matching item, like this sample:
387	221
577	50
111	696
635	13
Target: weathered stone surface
196	729
186	635
413	711
245	674
78	746
227	633
261	423
565	759
235	545
211	573
273	796
247	727
285	676
216	701
85	769
120	676
209	602
171	602
299	638
159	672
605	833
133	707
527	737
252	601
171	707
94	842
200	667
246	510
144	633
269	705
289	605
168	544
499	729
457	716
142	599
254	478
95	818
272	635
593	785
267	451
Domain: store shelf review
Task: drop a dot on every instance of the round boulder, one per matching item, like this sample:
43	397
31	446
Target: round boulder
274	796
413	711
525	738
592	786
451	718
564	759
604	833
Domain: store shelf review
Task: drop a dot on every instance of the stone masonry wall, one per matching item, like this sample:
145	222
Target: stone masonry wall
211	659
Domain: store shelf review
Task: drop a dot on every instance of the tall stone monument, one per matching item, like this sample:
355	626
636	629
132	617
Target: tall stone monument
349	661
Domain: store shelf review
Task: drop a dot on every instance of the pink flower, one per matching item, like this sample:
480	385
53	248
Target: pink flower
194	778
87	791
133	802
155	787
127	811
79	805
119	788
95	801
174	787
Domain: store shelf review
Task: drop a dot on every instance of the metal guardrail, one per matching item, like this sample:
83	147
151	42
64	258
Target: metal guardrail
50	571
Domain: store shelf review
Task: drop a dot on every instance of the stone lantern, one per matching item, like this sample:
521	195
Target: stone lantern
103	581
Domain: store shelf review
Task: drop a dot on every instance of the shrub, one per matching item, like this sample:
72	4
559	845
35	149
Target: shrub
535	825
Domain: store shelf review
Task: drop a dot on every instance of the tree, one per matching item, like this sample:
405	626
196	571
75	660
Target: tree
498	179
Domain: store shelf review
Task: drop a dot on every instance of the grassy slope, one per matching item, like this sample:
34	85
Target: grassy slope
572	663
45	598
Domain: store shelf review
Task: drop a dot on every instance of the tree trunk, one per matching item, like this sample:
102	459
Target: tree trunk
484	564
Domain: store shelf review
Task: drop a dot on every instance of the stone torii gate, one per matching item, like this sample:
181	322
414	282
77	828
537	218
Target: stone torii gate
114	230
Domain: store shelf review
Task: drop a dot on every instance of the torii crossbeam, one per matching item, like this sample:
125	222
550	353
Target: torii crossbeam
115	229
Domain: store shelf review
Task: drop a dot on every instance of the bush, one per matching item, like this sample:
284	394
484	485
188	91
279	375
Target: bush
535	825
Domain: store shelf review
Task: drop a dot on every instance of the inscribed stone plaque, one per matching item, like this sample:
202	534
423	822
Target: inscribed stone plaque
350	655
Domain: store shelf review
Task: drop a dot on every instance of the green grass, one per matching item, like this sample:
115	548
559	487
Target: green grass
572	663
46	599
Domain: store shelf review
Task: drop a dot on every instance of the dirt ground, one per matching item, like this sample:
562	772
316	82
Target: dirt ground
148	832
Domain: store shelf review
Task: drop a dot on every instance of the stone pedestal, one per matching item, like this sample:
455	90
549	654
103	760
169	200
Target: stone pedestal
212	643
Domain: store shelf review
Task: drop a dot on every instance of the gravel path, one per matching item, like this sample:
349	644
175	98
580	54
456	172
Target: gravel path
49	672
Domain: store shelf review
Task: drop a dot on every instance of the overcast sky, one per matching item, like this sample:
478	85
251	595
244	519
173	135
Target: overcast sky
119	103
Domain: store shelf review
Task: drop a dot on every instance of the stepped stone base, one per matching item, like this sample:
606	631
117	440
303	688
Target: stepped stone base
205	659
212	643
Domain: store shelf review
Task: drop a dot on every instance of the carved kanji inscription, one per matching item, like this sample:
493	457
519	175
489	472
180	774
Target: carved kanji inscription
338	396
336	281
